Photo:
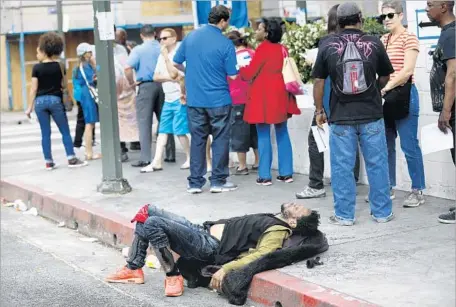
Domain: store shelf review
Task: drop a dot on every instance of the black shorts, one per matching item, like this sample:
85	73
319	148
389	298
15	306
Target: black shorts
243	135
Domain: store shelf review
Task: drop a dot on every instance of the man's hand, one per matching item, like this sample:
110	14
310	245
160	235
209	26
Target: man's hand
217	279
320	118
444	121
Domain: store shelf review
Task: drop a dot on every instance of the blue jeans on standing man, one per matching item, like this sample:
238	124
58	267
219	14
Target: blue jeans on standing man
48	106
284	150
408	133
343	142
203	122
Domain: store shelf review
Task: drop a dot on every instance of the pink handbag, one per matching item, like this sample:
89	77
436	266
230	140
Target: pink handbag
291	77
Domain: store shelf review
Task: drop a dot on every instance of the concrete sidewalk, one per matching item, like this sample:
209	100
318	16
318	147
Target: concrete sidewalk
407	262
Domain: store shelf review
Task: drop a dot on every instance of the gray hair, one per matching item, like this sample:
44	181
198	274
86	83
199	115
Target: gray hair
393	4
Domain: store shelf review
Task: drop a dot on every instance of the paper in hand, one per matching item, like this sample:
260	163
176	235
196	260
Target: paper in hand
321	136
434	140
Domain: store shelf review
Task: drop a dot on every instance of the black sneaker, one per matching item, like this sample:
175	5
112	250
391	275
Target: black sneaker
265	182
140	164
170	160
448	218
240	172
75	162
286	179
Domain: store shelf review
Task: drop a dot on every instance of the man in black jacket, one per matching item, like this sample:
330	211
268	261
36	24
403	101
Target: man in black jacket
231	244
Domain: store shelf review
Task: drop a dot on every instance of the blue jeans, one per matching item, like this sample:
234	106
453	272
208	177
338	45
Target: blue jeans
343	142
163	229
265	150
203	122
408	133
51	106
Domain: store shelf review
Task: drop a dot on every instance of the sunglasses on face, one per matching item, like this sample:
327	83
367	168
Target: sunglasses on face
164	38
389	15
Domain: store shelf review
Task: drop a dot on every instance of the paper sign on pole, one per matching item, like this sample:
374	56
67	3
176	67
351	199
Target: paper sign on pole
66	23
105	26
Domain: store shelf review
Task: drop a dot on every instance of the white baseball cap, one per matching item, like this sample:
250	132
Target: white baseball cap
83	48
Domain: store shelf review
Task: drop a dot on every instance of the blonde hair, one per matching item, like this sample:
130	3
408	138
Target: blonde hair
170	31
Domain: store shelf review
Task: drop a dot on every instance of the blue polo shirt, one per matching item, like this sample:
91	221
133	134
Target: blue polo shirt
143	59
210	58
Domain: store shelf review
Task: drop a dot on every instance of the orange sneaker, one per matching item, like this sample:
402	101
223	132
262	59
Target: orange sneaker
174	285
127	276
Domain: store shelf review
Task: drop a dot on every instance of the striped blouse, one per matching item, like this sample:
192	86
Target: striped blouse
396	49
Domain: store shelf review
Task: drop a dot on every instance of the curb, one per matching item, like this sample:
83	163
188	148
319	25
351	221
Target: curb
272	288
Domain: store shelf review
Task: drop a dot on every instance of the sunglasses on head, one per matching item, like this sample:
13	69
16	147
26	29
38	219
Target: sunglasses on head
389	15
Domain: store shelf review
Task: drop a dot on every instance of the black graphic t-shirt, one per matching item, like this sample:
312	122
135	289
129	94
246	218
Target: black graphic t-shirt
444	51
367	106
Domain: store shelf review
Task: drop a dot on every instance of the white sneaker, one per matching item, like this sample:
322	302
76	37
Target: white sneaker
309	192
186	165
147	169
194	190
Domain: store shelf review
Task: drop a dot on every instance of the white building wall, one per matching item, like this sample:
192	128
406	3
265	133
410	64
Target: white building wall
439	168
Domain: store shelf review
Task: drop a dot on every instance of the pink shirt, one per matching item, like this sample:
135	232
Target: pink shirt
239	88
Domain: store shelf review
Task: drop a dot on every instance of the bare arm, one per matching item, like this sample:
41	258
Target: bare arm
129	75
172	70
382	81
450	79
32	96
318	92
404	75
161	78
448	100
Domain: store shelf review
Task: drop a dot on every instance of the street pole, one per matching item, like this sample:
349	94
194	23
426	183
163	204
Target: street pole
60	28
112	180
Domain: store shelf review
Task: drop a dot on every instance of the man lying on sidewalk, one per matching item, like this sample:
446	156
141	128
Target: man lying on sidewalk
232	243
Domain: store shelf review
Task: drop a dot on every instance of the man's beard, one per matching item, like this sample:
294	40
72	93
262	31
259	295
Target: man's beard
284	212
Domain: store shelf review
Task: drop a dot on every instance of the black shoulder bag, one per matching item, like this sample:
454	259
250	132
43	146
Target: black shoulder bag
397	101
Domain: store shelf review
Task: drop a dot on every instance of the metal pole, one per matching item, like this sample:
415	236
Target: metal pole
22	59
23	78
112	180
60	27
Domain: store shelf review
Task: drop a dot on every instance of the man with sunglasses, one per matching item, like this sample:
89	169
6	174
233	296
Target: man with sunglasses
443	75
150	97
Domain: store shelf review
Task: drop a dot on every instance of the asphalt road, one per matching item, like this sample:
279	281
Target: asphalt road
43	265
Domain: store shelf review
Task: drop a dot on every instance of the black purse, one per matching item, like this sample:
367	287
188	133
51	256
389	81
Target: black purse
397	101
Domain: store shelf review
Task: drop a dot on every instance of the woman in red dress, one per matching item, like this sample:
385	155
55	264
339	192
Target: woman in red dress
269	103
